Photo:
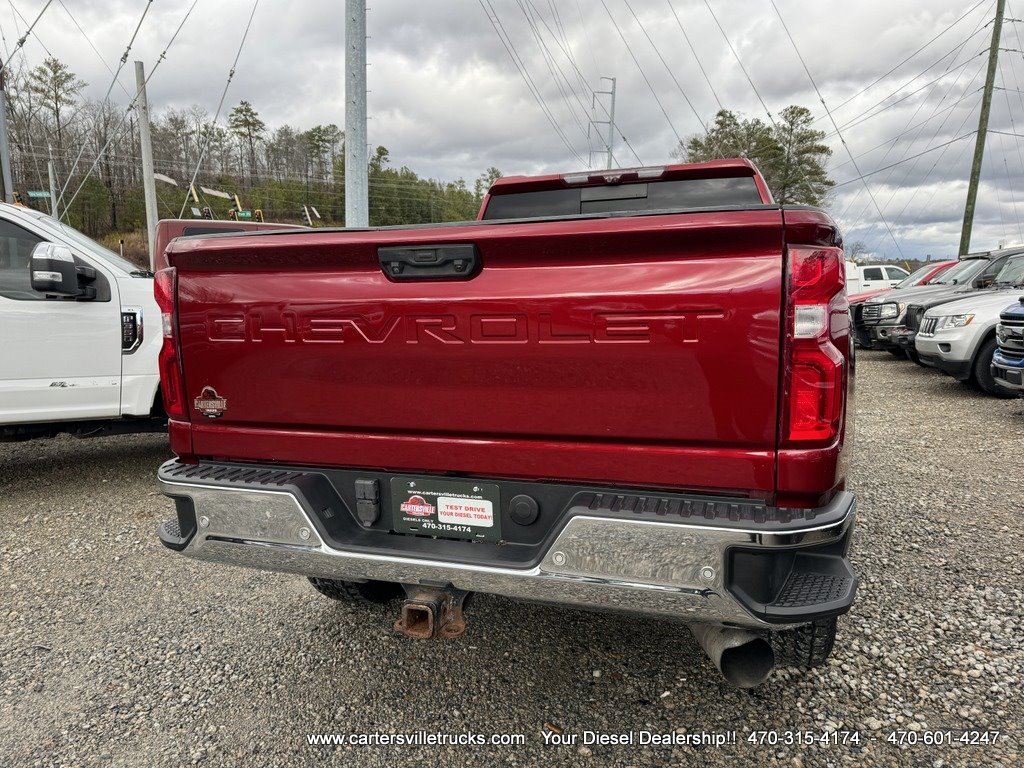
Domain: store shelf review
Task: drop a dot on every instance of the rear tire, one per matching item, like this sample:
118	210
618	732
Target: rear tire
366	592
807	646
982	373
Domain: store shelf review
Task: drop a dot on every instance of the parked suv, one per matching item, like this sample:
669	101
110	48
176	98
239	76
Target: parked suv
877	318
1008	360
959	337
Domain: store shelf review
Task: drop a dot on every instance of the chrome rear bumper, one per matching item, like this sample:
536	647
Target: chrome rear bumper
665	569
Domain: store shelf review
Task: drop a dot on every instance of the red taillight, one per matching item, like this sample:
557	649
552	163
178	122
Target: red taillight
817	342
165	286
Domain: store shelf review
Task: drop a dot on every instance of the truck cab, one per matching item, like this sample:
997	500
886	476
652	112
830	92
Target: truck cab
81	363
877	276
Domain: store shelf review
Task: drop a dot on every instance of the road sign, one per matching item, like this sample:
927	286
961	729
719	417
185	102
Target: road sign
37	193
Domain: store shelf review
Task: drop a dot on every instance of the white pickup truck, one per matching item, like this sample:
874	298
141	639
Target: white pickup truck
79	334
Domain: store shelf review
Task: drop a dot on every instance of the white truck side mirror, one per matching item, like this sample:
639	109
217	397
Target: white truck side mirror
54	270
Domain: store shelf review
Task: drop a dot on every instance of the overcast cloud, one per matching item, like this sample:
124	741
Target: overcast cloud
447	100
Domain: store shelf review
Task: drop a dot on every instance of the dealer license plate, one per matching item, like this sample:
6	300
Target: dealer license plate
448	509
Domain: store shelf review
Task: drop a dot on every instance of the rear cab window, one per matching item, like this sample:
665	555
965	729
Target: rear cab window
895	273
626	198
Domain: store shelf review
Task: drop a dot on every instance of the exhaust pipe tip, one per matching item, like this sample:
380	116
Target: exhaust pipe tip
745	660
748	665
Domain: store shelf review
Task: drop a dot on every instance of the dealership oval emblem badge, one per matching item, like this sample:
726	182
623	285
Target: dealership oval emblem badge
210	404
417	506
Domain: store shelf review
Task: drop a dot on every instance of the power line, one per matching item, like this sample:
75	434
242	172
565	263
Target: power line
572	62
23	38
1013	198
934	112
892	140
131	106
94	49
999	203
833	120
586	34
693	50
492	16
561	29
667	67
550	59
738	61
552	65
220	105
862	176
642	73
15	15
880	78
771	119
1020	157
106	96
520	63
864	116
928	173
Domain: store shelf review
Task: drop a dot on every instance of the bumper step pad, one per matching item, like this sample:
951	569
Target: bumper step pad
814	584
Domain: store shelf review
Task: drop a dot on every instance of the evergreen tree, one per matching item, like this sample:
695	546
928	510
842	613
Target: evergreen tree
790	154
57	89
245	123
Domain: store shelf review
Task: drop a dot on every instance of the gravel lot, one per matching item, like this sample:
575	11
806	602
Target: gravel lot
114	651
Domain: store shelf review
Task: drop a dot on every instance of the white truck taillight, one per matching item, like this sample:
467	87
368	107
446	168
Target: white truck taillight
817	343
165	285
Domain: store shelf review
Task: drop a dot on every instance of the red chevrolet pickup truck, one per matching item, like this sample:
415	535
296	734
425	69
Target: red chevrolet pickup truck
617	390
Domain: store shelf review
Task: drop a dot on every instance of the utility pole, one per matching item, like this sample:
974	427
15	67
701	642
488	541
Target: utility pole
979	143
146	144
610	122
357	198
53	181
5	149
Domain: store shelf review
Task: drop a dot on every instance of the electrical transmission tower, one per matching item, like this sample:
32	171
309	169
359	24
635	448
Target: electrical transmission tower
606	144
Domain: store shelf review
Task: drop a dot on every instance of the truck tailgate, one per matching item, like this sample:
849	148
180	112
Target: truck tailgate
638	350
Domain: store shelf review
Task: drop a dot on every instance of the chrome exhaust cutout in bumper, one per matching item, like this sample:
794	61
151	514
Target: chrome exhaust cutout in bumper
744	659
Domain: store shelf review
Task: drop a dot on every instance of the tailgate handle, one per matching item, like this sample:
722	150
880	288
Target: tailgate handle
455	261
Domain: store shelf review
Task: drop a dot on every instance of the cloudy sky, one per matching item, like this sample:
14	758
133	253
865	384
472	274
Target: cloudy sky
901	77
